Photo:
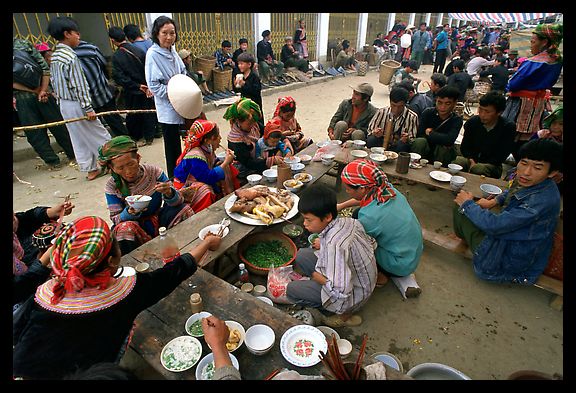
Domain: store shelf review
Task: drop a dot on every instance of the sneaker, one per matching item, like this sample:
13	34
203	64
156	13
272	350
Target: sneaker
335	321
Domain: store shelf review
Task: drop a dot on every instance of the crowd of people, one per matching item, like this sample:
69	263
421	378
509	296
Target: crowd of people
73	288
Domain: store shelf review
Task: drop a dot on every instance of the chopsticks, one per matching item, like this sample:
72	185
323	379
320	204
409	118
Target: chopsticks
333	361
358	365
61	216
220	233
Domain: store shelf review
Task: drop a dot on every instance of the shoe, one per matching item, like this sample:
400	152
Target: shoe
335	321
381	280
412	292
54	167
96	174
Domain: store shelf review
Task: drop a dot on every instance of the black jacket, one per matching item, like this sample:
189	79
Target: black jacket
128	68
462	81
263	49
445	132
488	147
499	75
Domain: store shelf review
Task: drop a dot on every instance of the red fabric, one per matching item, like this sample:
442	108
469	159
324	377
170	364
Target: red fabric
271	126
199	129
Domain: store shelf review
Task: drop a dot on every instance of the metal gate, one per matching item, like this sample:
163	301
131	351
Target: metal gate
377	23
343	26
202	33
285	24
121	19
32	26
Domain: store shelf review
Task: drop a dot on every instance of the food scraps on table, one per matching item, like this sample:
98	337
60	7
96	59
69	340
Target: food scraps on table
261	203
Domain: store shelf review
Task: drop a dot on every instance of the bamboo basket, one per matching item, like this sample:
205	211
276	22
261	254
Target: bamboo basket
387	69
222	80
362	68
206	65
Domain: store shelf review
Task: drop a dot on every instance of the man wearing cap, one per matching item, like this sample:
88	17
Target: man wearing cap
511	62
197	76
421	43
353	116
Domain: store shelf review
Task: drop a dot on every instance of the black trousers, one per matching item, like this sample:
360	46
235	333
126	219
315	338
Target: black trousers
114	121
440	60
172	146
141	125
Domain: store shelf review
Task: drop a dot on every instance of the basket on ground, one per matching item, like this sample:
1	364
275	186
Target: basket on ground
260	237
205	64
222	79
362	68
387	70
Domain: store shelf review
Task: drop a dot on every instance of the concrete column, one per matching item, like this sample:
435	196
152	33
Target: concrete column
411	19
439	20
391	18
322	37
450	21
150	18
362	29
428	17
262	21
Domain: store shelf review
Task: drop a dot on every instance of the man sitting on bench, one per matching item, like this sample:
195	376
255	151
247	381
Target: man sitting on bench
514	244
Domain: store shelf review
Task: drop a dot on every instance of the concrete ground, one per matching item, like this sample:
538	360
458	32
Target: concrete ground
487	331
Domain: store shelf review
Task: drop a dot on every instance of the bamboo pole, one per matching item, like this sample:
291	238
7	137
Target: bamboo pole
58	123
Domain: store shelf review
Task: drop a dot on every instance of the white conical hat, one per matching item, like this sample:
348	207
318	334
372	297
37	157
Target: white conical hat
185	96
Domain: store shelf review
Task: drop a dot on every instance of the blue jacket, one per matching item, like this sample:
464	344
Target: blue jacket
519	239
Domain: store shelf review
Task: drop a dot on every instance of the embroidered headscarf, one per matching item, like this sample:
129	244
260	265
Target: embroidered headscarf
42	47
283	102
78	250
558	114
366	174
243	109
554	34
197	131
116	147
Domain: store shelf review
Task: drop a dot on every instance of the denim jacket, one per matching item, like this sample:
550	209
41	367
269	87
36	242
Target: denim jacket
519	239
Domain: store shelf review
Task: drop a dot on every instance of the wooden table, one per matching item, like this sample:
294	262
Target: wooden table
159	324
421	175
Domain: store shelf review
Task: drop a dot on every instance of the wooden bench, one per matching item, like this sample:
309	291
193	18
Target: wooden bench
549	284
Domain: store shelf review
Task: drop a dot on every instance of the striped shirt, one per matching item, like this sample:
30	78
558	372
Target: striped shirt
406	122
94	65
346	258
67	77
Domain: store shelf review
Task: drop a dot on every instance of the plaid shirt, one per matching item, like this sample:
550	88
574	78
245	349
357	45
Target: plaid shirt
221	58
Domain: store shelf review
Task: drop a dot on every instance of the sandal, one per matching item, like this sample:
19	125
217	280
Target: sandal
335	321
101	173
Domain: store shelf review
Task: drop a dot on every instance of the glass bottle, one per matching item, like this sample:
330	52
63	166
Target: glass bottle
196	303
243	275
168	246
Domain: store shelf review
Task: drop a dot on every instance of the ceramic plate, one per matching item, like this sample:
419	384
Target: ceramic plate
205	369
125	271
214	228
301	345
251	221
359	153
440	176
390	155
389	359
181	353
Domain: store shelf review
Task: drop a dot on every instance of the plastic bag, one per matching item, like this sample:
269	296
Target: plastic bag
278	279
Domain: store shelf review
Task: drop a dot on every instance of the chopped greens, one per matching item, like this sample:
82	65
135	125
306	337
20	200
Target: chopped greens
208	371
268	253
196	329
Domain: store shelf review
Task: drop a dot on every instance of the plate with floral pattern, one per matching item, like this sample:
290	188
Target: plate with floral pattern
301	345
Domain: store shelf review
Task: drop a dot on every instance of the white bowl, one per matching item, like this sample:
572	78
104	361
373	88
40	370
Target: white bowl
233	325
138	202
454	168
328	331
201	374
305	159
259	290
293	185
214	228
359	153
193	318
142	267
378	158
292	160
436	371
457	182
265	300
389	359
489	190
327	158
415	157
359	143
377	149
254	179
259	339
336	142
322	143
270	175
221	155
344	347
303	177
297	167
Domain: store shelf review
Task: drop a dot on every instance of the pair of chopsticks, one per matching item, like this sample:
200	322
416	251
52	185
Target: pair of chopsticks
220	233
61	216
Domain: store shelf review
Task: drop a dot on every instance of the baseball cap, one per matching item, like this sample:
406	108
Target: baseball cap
365	88
183	53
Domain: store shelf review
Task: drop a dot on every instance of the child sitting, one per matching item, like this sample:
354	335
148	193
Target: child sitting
273	144
514	244
343	270
553	126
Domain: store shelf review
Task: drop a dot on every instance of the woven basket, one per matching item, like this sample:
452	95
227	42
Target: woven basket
481	88
222	79
387	69
362	68
360	56
206	65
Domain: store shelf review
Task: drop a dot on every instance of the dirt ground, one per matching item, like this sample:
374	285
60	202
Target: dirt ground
487	331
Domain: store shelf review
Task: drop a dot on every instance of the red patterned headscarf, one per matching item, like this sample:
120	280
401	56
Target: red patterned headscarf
78	250
285	102
199	129
366	174
272	126
554	34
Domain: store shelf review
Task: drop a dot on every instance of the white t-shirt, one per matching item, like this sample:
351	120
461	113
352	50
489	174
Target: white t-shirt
476	63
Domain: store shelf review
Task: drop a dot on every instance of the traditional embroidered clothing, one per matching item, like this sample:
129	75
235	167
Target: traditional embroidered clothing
291	128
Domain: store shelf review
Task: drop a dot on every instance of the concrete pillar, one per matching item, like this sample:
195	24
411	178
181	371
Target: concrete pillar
150	18
411	19
428	17
391	19
439	20
322	37
362	29
450	21
262	21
